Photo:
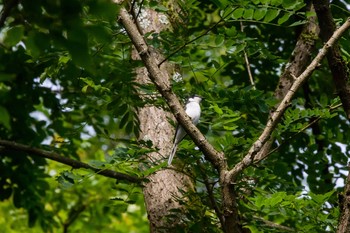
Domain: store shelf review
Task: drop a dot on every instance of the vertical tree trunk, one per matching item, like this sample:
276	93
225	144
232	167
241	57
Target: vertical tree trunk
163	188
344	203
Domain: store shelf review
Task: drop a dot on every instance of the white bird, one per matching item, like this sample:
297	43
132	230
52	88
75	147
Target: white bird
193	110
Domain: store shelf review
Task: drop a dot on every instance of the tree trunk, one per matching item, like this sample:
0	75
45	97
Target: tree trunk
163	190
300	58
344	203
336	63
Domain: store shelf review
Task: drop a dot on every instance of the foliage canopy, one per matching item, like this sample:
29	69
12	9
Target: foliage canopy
67	85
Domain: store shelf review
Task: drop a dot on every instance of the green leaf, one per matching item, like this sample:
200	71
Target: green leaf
230	128
219	40
271	15
284	18
97	164
293	4
160	8
260	13
248	14
321	198
217	109
5	118
238	13
14	35
275	199
231	32
298	23
78	48
276	2
5	77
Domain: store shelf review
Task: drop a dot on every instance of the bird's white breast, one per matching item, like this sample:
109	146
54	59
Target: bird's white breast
193	110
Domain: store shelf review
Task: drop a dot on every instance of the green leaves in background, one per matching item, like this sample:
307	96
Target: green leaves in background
267	11
280	206
4	118
14	35
67	84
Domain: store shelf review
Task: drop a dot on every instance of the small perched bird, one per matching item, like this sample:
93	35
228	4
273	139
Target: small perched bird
193	110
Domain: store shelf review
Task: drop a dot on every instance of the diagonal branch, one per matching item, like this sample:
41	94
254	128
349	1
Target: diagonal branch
298	61
161	81
68	161
335	60
278	113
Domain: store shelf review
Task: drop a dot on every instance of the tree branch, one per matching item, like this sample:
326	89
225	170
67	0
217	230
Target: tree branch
247	63
211	196
68	161
298	61
161	81
336	63
277	114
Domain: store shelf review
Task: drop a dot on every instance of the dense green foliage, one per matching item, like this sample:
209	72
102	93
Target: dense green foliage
66	84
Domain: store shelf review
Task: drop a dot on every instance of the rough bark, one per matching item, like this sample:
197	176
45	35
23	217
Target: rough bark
344	221
160	78
300	58
336	63
232	222
163	188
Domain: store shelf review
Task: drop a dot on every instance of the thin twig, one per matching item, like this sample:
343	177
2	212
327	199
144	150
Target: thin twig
133	6
135	16
251	79
140	8
211	196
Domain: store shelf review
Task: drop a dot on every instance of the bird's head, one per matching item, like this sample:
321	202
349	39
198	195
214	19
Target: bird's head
195	98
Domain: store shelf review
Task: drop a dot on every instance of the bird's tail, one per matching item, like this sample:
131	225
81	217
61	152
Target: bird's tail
173	151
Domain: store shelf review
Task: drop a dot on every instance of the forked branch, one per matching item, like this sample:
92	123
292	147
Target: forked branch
278	113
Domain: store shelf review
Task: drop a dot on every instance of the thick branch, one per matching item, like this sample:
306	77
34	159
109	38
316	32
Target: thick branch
336	63
159	78
277	114
68	161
